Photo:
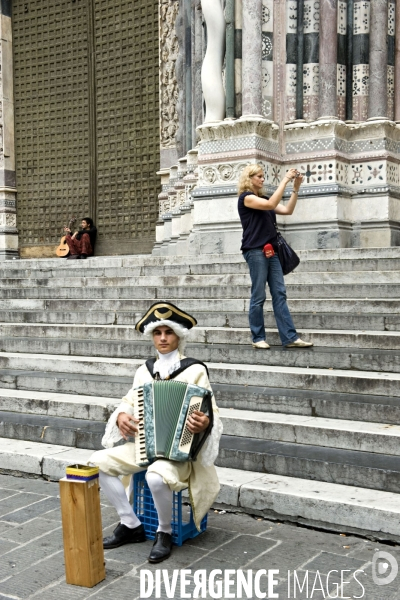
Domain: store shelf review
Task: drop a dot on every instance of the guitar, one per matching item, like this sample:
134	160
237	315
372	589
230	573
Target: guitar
63	249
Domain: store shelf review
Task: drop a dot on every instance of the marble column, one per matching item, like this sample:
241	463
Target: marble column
268	53
360	55
397	67
188	73
300	60
378	55
230	58
238	58
8	217
252	58
291	52
211	73
197	60
349	60
328	55
341	59
391	58
279	65
311	24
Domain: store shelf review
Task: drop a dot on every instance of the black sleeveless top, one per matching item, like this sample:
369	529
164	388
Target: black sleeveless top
258	225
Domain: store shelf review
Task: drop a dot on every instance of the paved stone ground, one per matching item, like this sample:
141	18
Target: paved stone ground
32	566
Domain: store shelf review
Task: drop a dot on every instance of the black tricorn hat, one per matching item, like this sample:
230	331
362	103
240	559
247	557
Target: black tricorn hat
165	311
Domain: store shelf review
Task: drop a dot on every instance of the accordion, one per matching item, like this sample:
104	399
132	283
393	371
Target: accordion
163	408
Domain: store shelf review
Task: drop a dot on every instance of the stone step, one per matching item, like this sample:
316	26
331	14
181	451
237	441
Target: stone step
78	407
310	403
331	254
333	465
312	305
295	429
35	458
317	503
236	264
388	340
337	381
380	438
364	359
373	322
76	433
134	306
354	278
330	291
62	386
65	383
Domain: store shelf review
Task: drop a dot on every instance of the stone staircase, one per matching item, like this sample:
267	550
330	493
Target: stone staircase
309	435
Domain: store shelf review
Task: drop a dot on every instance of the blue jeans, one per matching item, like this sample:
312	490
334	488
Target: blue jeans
268	270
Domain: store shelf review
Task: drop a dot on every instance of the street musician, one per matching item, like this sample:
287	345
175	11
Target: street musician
168	326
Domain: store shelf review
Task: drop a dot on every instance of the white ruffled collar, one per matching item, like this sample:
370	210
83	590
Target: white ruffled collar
167	363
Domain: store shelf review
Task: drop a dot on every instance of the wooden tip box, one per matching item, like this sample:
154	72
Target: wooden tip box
82	529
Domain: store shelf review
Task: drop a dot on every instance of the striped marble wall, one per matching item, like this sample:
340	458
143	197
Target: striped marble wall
238	57
291	59
361	26
267	59
341	58
311	60
391	58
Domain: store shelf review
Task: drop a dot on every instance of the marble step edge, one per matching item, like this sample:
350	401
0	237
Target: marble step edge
312	378
197	294
234	267
313	254
380	438
45	429
302	278
23	392
320	504
359	306
56	404
343	338
337	465
369	282
225	320
321	357
329	506
192	267
360	436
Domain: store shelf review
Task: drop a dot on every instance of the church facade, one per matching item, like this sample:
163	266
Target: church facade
141	114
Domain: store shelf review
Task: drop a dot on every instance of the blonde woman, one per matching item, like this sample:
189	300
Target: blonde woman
258	216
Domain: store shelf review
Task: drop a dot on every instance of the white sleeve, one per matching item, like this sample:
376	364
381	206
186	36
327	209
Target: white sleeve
112	434
209	451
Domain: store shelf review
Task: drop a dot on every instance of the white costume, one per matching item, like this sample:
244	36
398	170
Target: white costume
199	476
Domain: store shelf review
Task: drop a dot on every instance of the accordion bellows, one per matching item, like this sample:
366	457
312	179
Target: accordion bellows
163	408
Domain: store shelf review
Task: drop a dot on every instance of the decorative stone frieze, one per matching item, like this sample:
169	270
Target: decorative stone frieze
351	177
169	47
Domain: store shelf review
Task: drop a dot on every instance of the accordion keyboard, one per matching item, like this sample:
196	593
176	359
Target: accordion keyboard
140	439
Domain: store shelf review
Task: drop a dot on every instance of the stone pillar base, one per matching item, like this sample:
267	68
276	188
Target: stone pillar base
350	196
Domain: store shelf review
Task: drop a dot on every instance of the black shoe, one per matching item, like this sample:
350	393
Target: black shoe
73	256
83	256
124	535
162	547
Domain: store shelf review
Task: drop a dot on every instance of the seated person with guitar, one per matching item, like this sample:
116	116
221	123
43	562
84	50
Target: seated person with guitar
81	243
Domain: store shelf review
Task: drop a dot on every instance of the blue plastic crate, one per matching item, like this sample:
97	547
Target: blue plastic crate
144	508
